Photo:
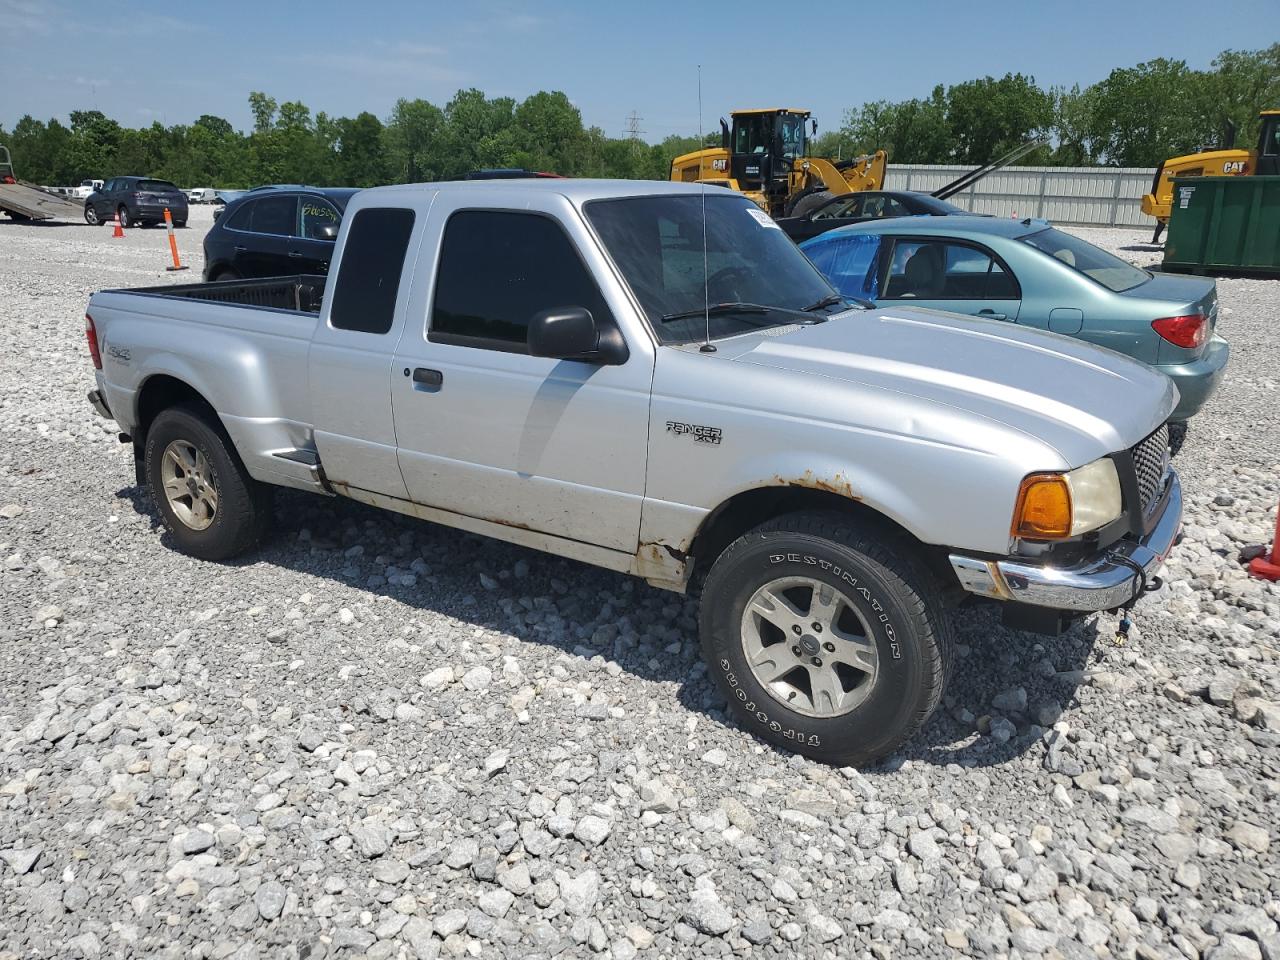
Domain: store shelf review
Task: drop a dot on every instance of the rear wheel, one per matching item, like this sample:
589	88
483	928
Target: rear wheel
210	505
826	637
125	219
807	200
226	274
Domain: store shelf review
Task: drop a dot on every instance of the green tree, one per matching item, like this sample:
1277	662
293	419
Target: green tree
264	111
360	158
989	117
1145	114
412	137
911	131
1243	82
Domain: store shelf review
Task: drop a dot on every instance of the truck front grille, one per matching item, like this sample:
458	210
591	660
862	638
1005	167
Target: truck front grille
1150	465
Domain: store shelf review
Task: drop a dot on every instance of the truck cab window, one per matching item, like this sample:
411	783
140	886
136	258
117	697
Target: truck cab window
364	295
497	269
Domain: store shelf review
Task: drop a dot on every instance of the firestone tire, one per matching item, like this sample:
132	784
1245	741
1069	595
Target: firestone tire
242	510
892	604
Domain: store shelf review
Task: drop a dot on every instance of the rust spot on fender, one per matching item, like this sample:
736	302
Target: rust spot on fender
839	484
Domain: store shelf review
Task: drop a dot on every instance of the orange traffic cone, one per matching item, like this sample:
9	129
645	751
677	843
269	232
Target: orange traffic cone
119	230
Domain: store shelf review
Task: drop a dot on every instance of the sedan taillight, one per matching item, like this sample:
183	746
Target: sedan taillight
91	334
1190	330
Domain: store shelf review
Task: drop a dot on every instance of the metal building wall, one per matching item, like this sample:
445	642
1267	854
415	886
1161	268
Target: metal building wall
1085	196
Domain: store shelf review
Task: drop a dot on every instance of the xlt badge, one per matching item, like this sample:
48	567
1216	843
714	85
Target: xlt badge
699	433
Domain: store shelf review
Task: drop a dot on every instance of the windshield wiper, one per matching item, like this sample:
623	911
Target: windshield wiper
735	306
832	299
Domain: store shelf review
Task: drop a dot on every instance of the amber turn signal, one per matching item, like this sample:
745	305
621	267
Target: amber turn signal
1044	508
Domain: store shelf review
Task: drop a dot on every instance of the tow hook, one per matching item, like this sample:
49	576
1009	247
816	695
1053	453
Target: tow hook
1145	585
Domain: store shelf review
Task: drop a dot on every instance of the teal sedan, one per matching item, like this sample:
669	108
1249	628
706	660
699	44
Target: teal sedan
1029	273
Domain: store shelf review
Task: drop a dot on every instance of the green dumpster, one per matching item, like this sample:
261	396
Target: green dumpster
1224	224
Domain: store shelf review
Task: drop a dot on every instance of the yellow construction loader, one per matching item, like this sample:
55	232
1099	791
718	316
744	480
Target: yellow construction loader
765	156
1224	162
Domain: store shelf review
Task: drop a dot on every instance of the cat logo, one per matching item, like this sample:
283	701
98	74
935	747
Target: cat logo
1233	166
720	164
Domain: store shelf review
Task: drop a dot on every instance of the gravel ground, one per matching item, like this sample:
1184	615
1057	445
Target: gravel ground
379	737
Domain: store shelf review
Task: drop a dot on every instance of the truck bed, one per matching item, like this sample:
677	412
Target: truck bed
302	293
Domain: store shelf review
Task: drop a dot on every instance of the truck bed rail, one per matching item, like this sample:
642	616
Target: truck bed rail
302	293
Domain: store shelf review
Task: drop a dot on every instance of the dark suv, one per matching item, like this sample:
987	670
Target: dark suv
274	232
138	200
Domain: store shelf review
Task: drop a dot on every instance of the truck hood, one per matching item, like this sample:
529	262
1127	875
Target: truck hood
1083	401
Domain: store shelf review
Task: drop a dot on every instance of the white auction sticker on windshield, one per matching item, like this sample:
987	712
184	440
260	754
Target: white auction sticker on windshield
762	218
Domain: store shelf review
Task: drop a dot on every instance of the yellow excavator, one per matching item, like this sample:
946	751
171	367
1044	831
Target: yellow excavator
1223	162
765	155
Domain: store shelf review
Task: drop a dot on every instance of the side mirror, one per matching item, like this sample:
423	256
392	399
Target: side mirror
571	333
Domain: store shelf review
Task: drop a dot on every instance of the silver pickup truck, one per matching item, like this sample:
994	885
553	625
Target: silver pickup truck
651	377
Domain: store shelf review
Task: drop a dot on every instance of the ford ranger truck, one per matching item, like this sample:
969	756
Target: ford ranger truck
652	378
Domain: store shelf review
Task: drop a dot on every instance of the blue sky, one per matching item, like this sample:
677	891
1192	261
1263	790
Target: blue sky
140	61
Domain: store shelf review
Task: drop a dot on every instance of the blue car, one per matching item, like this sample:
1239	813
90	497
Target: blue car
1029	273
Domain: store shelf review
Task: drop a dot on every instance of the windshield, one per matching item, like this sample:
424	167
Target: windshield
1095	263
792	136
656	243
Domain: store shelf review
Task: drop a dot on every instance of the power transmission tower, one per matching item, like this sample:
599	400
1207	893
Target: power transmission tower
633	127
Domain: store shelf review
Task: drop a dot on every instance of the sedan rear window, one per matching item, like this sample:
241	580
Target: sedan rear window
1094	262
157	186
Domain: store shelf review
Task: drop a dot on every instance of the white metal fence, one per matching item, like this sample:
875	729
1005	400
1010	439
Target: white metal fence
1085	196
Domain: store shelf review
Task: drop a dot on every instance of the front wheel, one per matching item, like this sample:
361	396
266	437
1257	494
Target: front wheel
91	216
826	637
211	506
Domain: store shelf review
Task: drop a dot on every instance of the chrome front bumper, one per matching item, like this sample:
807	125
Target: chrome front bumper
1102	583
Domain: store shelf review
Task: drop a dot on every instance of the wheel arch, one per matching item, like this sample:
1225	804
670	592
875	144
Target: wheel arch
748	509
159	392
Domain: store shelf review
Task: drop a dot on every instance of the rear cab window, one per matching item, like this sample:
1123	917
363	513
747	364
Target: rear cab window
497	269
372	263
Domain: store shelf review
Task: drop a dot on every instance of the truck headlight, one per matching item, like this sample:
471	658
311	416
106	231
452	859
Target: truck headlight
1054	506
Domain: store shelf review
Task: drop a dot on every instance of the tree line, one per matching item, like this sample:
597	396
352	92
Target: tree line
1137	117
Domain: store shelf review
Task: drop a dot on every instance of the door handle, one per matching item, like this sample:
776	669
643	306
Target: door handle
294	253
240	249
426	380
992	315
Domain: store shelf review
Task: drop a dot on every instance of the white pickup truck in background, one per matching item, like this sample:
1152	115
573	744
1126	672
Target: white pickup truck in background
650	377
